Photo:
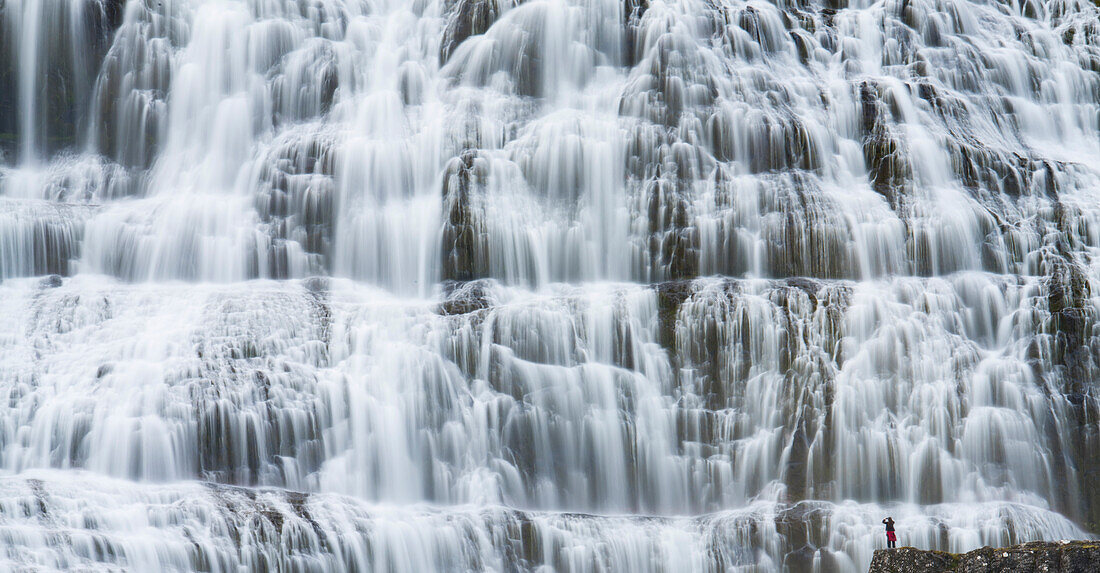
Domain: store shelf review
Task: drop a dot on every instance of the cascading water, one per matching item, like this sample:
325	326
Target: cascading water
582	285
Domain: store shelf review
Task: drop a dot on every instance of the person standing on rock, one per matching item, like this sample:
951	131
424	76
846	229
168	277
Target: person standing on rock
891	538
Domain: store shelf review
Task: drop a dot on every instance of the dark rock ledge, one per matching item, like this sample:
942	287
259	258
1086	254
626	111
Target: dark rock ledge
1047	557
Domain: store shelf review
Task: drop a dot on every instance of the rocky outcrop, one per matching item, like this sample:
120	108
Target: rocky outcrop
1052	557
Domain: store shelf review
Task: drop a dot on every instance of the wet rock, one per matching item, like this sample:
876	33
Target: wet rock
673	237
52	281
295	199
9	113
80	34
469	18
633	12
670	295
908	559
1058	557
887	161
464	298
41	239
316	284
465	248
318	289
1068	299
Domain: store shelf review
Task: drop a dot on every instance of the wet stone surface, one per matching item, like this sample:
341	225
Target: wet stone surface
1056	557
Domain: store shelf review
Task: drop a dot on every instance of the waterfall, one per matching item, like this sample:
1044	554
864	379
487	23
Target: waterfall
545	285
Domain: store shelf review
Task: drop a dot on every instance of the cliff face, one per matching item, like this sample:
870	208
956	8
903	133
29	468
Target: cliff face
1057	557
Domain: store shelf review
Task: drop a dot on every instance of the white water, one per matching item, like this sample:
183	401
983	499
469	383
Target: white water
585	285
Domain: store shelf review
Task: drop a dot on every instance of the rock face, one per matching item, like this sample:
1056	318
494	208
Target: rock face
1059	557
